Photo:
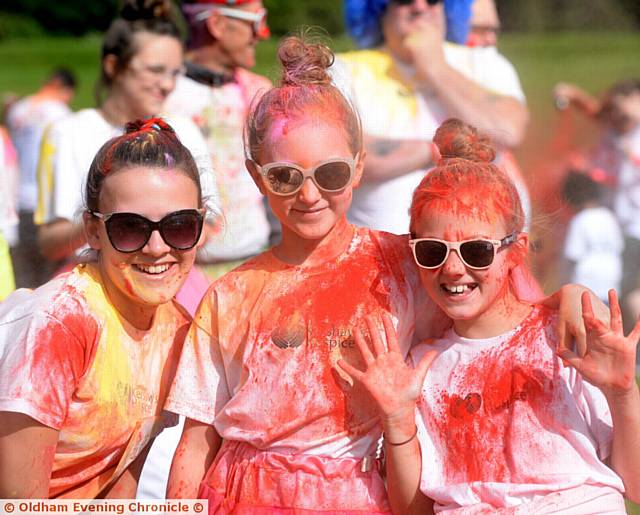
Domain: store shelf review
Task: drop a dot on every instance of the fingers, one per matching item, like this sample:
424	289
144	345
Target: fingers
424	365
390	333
362	345
350	371
570	357
587	308
374	334
615	312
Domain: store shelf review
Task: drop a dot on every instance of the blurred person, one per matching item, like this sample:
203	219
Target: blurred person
420	80
594	244
26	121
86	360
8	216
142	57
216	94
617	159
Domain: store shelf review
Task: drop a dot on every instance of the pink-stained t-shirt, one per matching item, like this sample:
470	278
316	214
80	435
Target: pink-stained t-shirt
505	425
258	362
71	362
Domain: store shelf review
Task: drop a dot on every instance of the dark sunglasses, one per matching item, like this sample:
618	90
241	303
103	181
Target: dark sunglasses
478	254
332	175
129	232
409	2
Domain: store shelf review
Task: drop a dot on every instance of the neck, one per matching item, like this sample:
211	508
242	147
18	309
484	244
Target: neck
116	111
295	250
506	312
139	316
212	58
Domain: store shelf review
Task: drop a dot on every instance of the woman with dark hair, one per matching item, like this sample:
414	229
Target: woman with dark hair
86	360
141	59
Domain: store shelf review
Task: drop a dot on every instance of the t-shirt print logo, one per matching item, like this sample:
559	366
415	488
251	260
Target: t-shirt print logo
288	337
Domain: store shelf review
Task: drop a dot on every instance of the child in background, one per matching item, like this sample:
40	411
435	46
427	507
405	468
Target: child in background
594	243
503	425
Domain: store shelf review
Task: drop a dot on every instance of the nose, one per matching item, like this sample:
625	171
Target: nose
156	246
309	193
167	82
453	266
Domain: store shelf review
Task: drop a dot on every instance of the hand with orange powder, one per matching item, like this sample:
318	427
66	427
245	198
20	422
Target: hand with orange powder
86	360
502	422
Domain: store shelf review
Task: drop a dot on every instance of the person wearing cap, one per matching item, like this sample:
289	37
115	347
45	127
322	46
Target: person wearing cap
420	80
216	93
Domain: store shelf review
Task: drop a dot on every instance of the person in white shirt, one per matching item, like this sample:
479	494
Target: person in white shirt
27	119
594	243
507	418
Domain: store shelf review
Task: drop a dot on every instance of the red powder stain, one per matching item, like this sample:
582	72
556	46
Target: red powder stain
475	427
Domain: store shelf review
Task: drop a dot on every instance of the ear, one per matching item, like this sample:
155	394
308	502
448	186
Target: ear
92	230
359	168
110	65
216	25
520	249
255	175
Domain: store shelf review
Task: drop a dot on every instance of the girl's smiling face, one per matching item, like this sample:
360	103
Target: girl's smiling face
138	282
311	213
470	297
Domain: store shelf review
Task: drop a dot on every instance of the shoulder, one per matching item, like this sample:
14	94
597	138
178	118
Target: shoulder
61	301
83	122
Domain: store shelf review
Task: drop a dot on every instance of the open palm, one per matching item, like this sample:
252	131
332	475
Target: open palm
609	361
393	385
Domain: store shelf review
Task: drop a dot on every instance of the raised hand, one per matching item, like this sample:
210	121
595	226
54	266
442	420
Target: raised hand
393	385
609	360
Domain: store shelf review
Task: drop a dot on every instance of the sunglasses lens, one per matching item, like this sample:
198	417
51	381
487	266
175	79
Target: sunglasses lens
128	232
181	230
284	179
333	176
430	253
433	2
477	253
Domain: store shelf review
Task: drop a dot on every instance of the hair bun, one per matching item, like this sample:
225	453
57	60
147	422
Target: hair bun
304	62
149	124
456	139
133	10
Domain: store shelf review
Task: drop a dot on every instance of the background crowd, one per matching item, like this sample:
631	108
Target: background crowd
406	72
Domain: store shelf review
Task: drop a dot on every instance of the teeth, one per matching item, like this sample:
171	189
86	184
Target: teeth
457	288
153	269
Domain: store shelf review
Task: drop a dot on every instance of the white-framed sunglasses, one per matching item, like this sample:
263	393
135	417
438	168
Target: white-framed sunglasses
258	19
330	175
478	253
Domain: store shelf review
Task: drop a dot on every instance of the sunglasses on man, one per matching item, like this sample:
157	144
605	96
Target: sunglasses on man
257	19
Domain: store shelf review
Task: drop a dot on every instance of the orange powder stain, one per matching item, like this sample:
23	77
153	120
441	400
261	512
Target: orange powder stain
476	427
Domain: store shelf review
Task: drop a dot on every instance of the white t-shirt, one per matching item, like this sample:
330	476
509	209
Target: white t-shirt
594	242
391	107
26	121
627	196
68	148
503	423
220	113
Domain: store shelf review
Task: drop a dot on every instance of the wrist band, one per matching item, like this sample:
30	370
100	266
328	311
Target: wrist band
394	444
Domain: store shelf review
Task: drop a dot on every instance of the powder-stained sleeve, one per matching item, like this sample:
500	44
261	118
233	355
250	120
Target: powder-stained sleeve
200	389
41	362
595	410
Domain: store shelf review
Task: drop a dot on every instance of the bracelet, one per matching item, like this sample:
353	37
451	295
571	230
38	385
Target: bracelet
394	444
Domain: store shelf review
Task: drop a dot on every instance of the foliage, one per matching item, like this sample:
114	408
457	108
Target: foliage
287	15
18	26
